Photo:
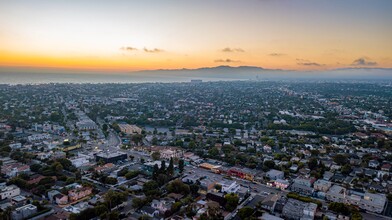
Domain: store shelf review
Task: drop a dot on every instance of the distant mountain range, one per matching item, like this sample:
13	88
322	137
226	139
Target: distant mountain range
26	75
253	72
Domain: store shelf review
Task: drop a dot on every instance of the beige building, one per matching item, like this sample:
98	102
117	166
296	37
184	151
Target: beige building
130	129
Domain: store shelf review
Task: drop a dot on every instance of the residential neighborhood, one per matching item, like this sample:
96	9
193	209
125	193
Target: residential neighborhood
207	150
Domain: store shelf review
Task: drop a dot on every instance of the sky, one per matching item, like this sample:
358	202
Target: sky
138	35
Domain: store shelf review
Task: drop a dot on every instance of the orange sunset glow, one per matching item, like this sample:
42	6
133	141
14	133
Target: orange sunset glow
132	35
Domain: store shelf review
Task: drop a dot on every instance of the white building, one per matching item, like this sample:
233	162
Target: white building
39	137
79	161
7	192
229	186
322	185
368	201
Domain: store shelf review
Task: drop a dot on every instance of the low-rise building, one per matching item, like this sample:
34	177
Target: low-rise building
7	192
79	193
129	129
61	199
322	185
281	184
23	212
229	186
368	201
275	174
302	189
111	157
295	209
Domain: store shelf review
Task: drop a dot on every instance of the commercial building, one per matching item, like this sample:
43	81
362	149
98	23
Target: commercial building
302	189
243	173
368	201
229	186
281	184
112	157
295	209
129	129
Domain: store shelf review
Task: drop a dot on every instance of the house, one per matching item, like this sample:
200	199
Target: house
51	195
373	163
7	192
19	200
61	199
275	174
35	178
304	181
302	189
322	185
270	201
13	169
150	211
105	168
162	205
23	212
79	193
386	167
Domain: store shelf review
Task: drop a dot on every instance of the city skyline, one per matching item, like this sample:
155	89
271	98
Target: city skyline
131	36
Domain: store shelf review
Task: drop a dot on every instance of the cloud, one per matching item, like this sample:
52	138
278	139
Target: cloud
276	54
128	48
226	61
303	62
155	50
232	50
363	61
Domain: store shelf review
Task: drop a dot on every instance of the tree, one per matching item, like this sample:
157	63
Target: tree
131	174
151	188
156	155
175	207
312	163
181	165
110	180
170	168
231	201
155	171
58	168
213	152
138	202
177	186
78	175
137	138
340	159
113	198
245	212
346	169
269	164
35	167
163	167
